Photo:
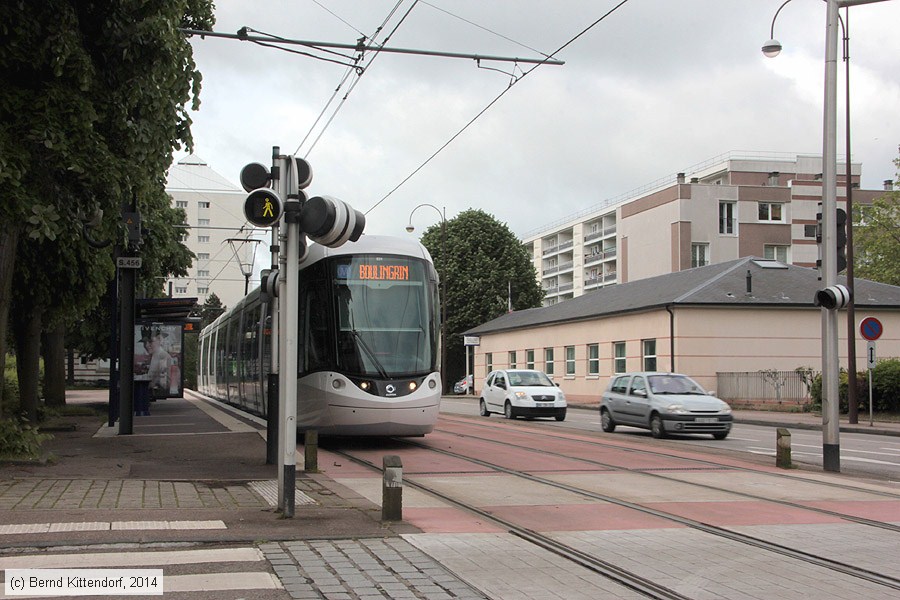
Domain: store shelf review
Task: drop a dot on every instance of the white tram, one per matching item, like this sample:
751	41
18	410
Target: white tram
368	342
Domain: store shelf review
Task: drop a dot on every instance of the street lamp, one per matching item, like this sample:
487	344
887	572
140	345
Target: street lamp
830	362
410	229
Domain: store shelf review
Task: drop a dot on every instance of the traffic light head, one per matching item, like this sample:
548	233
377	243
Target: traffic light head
833	297
331	222
841	239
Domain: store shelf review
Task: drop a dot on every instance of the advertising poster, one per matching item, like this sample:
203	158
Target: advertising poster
158	358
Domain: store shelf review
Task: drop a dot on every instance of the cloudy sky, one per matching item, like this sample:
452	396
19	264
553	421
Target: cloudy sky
655	88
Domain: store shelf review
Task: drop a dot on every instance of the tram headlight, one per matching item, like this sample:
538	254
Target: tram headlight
432	383
365	385
337	384
412	386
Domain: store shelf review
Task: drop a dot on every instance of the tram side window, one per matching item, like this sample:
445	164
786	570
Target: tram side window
313	350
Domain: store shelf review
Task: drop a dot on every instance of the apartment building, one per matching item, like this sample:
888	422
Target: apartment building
226	246
732	206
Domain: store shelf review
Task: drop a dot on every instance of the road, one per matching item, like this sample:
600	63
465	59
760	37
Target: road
861	454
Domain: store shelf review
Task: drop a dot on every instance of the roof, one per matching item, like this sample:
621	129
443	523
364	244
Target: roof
772	284
191	173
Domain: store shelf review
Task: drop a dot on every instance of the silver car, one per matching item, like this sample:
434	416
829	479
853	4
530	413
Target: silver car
663	403
522	393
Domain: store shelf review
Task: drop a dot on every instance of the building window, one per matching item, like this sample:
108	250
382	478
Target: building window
181	204
202	290
202	222
202	272
570	360
529	359
699	255
727	224
548	361
488	363
512	359
771	211
619	357
203	256
203	239
649	354
204	204
593	359
180	290
779	253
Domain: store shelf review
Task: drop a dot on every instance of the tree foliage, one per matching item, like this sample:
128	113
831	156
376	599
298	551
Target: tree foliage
486	269
876	239
94	98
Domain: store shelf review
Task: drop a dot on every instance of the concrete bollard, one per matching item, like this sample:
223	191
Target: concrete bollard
311	451
392	489
783	449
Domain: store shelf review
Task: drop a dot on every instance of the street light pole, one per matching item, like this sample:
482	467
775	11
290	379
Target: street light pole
410	229
830	357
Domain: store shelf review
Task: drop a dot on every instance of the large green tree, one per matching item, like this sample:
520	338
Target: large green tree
876	239
487	270
93	97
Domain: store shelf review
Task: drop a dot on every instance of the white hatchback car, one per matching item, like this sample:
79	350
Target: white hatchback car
663	403
522	393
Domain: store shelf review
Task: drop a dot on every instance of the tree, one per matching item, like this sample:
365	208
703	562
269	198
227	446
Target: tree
211	310
94	101
487	270
876	239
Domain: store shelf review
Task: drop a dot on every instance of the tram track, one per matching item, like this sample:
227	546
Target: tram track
623	576
657	475
700	461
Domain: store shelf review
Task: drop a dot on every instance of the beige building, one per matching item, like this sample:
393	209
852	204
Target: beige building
744	315
733	206
225	244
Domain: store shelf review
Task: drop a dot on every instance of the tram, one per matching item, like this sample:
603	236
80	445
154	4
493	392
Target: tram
368	342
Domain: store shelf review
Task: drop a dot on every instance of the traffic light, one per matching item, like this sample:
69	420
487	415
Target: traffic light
833	297
841	239
331	222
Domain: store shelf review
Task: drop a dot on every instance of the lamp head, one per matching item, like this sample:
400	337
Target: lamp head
772	48
410	229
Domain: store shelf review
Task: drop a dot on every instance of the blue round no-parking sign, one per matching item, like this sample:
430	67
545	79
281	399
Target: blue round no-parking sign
871	328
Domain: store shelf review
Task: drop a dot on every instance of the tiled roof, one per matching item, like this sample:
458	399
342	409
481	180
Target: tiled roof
772	284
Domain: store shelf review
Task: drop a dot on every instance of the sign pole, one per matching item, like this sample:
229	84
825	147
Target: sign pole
871	329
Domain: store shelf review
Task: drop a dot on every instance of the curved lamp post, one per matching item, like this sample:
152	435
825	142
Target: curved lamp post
410	229
830	358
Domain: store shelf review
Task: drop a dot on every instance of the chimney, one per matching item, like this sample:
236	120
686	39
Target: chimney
773	177
888	185
695	180
679	178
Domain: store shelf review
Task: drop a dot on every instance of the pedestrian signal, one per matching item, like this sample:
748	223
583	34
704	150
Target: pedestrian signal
263	207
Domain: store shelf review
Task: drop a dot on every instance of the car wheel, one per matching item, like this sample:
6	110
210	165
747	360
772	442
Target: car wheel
606	421
720	435
561	416
484	411
657	429
508	410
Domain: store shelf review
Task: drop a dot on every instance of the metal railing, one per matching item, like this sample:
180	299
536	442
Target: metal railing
763	386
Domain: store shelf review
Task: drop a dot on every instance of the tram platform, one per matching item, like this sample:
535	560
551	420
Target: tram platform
192	476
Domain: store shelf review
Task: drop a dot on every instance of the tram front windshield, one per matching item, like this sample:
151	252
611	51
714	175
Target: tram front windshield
385	316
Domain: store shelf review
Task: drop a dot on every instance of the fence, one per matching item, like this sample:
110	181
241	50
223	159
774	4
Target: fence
759	388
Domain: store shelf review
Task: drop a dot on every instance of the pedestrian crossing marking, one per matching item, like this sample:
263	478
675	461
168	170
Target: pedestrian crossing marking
145	558
19	528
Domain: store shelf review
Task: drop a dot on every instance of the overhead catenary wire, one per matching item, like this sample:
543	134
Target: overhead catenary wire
359	73
494	101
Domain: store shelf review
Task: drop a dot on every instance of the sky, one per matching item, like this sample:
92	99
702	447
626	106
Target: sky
654	88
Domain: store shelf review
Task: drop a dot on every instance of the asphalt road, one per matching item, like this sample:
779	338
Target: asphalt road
867	455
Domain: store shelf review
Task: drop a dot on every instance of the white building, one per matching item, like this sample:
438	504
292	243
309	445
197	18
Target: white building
219	234
732	206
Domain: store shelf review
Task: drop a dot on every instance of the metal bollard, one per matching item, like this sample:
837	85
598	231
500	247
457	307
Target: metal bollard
311	451
783	449
392	489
